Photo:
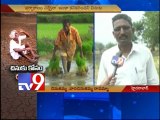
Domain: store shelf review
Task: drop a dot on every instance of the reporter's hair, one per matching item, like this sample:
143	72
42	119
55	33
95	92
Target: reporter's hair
122	16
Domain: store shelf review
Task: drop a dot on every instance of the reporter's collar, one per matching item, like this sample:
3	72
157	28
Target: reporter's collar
134	48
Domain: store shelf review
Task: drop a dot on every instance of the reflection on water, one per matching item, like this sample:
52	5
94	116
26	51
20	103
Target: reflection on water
70	79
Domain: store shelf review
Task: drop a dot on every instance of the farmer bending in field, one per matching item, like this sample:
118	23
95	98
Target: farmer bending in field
17	49
66	42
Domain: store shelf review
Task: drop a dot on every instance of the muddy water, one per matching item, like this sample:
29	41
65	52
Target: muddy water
70	79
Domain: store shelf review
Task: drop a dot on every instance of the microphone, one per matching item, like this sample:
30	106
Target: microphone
117	61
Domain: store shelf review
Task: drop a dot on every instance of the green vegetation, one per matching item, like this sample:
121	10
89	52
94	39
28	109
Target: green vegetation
58	18
87	48
44	46
50	30
151	29
48	27
47	33
148	29
53	68
87	44
81	63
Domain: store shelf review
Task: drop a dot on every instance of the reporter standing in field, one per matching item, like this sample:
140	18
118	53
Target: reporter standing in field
68	38
138	67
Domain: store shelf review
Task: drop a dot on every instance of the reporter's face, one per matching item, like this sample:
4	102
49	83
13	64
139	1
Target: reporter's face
123	31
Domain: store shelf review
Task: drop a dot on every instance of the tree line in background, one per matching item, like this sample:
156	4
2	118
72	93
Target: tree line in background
58	18
146	31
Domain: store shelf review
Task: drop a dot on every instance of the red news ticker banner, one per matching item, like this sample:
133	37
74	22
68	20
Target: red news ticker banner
141	89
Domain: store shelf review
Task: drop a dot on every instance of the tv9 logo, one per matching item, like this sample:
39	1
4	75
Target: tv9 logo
117	61
31	81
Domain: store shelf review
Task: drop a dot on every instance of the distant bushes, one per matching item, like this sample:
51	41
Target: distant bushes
109	45
58	18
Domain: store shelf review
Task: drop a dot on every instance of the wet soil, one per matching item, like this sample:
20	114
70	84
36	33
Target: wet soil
69	79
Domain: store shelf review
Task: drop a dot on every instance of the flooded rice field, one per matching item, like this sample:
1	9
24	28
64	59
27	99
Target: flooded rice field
69	79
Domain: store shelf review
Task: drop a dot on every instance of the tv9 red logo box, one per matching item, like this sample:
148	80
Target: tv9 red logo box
31	81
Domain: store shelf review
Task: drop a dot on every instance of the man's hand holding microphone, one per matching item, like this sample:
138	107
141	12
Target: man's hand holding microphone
117	61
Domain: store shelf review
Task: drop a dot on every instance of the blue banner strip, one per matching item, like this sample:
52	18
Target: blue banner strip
125	5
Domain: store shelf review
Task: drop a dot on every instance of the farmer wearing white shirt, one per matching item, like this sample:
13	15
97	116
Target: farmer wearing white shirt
138	67
17	49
